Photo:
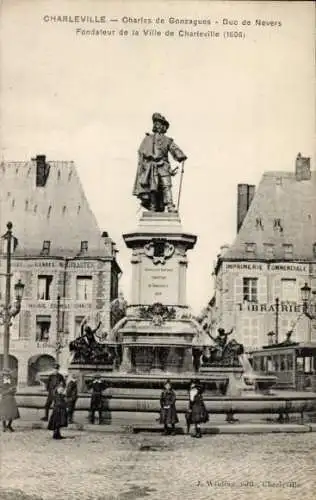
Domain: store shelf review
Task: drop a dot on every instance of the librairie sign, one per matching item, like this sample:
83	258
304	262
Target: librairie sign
288	307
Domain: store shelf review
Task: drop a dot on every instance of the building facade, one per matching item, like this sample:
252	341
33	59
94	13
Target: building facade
258	278
67	265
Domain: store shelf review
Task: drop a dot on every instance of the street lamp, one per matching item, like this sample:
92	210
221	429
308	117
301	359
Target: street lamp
306	299
9	311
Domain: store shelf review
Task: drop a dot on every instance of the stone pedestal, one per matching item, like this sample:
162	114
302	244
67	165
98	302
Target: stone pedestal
159	259
158	332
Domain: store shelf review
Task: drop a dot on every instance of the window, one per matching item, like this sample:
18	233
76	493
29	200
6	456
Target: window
43	287
314	249
288	251
250	247
277	225
250	289
288	290
46	247
259	223
78	321
84	247
42	328
268	250
84	288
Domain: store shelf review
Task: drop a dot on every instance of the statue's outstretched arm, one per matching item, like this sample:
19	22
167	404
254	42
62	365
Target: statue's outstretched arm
97	328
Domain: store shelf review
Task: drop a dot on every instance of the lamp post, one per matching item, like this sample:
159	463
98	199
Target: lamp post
61	335
306	299
8	311
277	313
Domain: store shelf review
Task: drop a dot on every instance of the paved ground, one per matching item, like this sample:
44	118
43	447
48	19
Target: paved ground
101	466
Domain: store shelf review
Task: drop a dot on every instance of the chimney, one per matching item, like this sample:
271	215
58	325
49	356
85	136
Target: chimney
42	170
245	194
302	168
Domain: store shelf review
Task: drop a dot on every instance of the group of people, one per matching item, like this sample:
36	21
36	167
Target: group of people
196	413
63	395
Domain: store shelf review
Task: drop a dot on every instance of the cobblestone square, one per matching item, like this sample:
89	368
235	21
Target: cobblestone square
102	466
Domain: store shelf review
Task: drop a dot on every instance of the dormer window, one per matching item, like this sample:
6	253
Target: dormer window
268	250
46	247
250	248
288	251
84	247
277	225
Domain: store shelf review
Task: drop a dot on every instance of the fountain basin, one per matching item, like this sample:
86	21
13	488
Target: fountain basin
281	402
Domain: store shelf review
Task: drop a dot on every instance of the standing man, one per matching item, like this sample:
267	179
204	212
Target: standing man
54	380
96	402
153	178
71	396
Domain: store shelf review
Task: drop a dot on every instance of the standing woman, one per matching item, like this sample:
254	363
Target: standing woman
8	407
168	411
197	409
58	418
71	396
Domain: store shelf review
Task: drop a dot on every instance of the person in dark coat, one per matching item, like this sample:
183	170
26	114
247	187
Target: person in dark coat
96	402
54	380
71	396
8	407
58	417
197	411
168	412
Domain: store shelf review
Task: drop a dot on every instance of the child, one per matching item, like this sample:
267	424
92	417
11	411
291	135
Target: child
168	412
58	418
8	407
198	412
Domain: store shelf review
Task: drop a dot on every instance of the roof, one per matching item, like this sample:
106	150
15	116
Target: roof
57	211
282	212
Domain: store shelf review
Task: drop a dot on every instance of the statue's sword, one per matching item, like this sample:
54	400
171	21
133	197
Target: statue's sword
180	185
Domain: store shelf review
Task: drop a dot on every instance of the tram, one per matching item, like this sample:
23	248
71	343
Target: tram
293	364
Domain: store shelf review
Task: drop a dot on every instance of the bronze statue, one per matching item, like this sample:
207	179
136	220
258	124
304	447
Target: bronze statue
87	350
221	339
223	353
153	178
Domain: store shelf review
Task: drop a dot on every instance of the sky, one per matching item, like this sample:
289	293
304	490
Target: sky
237	106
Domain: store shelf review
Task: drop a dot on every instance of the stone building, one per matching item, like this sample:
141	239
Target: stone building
67	265
258	278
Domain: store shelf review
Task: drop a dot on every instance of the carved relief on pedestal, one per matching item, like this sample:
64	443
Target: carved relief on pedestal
159	250
157	313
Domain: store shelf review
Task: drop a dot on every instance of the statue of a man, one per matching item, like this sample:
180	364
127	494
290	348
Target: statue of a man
153	178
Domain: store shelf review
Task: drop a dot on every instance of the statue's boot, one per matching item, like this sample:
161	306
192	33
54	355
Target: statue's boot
167	196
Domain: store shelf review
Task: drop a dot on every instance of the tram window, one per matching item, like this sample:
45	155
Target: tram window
282	363
270	365
262	364
290	362
299	364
